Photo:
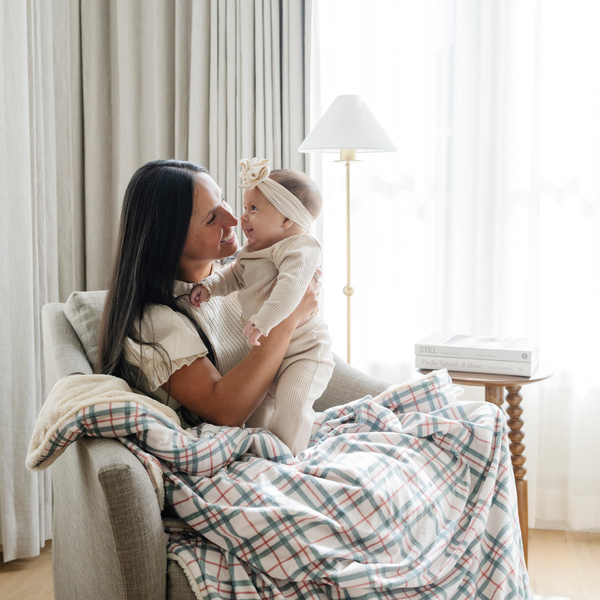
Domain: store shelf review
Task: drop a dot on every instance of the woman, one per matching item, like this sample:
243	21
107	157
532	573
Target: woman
175	226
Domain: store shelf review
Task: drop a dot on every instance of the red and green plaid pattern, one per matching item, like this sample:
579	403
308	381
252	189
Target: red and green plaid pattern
410	495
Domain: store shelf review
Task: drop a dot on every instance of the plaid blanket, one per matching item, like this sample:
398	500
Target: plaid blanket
408	495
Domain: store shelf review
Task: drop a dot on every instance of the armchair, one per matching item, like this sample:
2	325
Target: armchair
108	533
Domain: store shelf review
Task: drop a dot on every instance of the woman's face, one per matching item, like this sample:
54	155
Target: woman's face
210	236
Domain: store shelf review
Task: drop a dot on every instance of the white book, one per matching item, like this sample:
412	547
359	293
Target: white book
478	365
485	348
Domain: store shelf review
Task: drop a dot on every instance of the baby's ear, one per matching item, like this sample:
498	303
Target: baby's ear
287	223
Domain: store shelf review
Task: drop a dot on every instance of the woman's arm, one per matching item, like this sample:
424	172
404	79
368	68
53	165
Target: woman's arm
231	399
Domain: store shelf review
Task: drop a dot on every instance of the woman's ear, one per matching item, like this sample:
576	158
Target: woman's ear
287	223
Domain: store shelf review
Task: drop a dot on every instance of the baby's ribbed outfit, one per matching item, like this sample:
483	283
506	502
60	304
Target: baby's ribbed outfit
271	283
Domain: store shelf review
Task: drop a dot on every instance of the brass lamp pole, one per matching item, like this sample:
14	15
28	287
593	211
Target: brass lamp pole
348	156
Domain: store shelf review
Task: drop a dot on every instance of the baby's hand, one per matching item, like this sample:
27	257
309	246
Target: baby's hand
252	333
198	295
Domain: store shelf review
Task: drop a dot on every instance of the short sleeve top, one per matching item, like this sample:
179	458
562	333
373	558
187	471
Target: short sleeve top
176	336
178	341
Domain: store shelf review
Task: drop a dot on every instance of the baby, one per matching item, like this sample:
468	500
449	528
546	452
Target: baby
272	272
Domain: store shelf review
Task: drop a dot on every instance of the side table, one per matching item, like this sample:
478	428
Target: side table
494	393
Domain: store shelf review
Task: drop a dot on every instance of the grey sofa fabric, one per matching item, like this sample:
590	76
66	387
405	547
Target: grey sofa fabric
177	583
63	353
346	384
108	535
109	540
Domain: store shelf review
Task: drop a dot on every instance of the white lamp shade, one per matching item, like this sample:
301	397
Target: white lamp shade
348	124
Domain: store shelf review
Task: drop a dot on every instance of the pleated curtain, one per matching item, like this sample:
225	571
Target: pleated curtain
209	81
93	91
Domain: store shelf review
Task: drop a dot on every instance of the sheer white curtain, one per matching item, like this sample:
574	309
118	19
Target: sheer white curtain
486	220
29	263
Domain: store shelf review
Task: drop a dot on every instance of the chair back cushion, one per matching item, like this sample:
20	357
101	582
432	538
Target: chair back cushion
84	312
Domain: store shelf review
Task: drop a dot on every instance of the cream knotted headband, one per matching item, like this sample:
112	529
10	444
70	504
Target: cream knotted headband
255	173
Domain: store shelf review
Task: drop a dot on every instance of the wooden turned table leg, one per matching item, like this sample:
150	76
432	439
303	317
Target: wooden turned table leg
517	447
494	395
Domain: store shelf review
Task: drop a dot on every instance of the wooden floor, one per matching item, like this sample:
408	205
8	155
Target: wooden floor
28	578
562	564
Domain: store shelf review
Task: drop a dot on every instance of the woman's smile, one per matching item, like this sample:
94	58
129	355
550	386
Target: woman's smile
229	240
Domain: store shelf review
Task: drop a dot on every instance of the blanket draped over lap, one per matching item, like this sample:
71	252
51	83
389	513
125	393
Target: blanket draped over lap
408	495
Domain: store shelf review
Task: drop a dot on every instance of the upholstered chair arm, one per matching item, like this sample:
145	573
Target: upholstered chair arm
346	384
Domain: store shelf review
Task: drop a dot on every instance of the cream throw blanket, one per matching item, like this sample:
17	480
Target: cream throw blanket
74	393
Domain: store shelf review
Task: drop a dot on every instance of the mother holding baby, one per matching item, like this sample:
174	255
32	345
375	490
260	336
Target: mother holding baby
176	230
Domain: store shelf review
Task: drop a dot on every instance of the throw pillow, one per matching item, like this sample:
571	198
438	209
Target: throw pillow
84	311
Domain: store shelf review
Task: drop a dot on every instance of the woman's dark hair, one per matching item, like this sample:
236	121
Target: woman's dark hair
155	219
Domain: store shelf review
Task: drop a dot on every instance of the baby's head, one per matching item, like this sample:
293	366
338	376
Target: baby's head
263	224
302	186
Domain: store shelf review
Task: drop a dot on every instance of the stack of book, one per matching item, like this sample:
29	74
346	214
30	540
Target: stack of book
497	356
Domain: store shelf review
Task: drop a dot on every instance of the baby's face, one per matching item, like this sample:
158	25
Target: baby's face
262	223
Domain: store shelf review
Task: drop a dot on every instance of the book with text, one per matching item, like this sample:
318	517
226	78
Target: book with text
485	348
477	365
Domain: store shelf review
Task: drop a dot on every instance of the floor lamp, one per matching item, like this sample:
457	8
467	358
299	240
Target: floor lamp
347	127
